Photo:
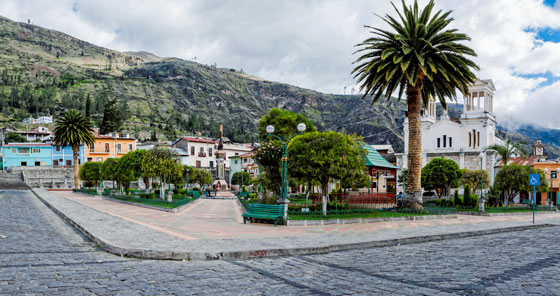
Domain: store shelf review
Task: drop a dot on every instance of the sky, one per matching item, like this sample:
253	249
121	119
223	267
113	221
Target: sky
310	43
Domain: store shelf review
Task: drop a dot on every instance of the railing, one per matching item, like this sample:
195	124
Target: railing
243	203
201	154
360	198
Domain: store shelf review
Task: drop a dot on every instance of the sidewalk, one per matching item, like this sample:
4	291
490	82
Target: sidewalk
213	229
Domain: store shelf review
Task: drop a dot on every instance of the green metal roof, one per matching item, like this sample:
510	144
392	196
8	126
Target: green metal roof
373	158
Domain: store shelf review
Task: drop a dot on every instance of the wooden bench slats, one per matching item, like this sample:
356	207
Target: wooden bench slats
263	211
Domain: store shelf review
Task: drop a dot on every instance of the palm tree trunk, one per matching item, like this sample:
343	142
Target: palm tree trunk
75	152
413	196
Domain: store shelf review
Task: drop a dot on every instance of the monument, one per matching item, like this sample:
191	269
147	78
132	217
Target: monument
220	182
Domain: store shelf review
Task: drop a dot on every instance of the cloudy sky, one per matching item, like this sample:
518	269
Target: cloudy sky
309	43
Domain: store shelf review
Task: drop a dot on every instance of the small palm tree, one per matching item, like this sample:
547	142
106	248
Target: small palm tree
72	128
424	59
508	149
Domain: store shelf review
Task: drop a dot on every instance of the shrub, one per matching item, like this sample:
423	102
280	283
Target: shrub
456	199
196	189
467	196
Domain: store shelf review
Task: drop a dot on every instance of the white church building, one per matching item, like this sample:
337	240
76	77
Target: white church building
462	140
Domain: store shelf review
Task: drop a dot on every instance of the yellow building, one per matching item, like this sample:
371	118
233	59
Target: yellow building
113	145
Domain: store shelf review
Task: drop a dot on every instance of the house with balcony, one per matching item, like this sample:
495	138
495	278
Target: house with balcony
113	145
38	134
200	151
27	155
64	156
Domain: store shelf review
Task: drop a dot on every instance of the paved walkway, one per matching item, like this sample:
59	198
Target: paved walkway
213	227
41	255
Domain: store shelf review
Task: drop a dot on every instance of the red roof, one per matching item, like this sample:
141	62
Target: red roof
521	160
27	145
199	140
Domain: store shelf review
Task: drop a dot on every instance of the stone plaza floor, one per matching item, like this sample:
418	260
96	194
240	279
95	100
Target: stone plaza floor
41	254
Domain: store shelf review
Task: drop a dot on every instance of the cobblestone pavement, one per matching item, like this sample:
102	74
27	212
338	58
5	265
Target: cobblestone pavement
40	254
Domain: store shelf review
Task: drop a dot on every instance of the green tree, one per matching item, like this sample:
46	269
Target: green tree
269	154
112	120
325	156
441	174
90	171
12	137
241	178
109	171
162	163
285	124
129	167
73	129
88	107
419	56
508	149
472	178
513	179
456	199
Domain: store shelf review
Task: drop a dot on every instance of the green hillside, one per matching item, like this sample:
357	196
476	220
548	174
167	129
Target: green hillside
44	72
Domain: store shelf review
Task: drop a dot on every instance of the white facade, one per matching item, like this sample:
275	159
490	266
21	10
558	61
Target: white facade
460	140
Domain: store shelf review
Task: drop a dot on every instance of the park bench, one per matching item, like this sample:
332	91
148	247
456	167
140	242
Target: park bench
243	194
526	202
262	211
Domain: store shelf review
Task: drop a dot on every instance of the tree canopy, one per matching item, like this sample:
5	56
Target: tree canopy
112	119
285	124
12	137
241	178
508	149
90	171
513	179
325	156
129	167
441	174
472	178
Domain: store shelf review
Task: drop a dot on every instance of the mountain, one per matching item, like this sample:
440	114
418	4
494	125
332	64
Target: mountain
44	71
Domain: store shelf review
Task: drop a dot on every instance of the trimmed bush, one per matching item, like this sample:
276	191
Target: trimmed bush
456	199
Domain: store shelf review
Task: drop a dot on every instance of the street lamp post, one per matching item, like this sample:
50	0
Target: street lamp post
187	181
99	175
284	187
481	200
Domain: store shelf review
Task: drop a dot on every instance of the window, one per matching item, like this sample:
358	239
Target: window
478	139
107	147
469	139
211	164
130	147
192	150
100	159
37	163
235	161
119	148
92	148
444	141
55	162
89	159
123	136
236	154
438	142
201	149
57	148
374	185
24	163
23	150
68	162
198	163
209	151
36	150
450	142
245	160
14	150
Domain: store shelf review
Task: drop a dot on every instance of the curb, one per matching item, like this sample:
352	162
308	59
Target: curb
507	214
365	220
169	210
258	253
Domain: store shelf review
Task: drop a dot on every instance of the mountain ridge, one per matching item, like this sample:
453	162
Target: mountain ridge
44	71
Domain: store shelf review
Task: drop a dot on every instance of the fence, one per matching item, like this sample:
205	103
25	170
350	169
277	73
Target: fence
359	198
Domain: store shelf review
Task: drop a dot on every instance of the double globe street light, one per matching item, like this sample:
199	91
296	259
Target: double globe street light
284	187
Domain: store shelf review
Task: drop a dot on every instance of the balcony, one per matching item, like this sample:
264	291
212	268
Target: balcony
201	154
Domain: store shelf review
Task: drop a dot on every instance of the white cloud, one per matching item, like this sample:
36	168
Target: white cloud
309	43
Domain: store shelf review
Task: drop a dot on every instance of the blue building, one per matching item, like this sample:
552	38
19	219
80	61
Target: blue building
63	156
27	154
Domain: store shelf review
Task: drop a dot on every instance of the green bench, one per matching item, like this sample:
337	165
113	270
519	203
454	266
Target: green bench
243	194
262	211
526	202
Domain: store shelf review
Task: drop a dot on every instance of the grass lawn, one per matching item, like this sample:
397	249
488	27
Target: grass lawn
372	214
154	202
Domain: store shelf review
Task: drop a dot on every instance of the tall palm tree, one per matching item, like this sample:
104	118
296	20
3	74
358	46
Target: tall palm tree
508	149
72	128
424	59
